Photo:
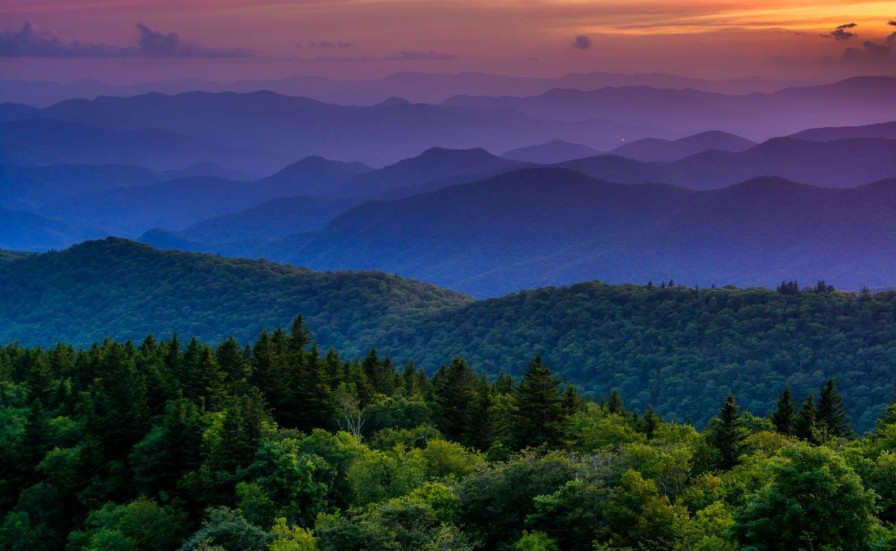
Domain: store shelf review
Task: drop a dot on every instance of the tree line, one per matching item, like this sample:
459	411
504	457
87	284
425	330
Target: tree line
280	446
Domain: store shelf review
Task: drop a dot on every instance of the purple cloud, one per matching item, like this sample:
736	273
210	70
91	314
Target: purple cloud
581	42
31	42
169	45
872	54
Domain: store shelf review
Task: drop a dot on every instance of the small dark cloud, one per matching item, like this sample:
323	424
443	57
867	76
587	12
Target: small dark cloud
872	54
420	55
170	45
842	32
31	42
892	23
581	42
329	45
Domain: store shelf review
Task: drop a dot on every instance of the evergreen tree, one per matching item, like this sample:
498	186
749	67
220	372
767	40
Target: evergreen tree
203	380
615	404
650	422
832	415
454	387
804	423
887	419
782	418
233	362
540	412
312	404
725	434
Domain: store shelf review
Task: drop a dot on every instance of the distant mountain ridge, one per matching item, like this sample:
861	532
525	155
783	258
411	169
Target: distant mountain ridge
179	203
263	129
552	152
550	226
759	116
837	164
416	86
652	149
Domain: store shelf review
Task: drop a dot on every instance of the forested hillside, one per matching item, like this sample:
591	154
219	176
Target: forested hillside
677	349
277	447
121	289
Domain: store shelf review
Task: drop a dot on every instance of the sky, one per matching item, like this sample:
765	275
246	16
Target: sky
225	40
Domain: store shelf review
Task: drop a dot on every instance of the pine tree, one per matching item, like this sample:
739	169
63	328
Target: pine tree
233	362
455	390
804	422
832	415
650	422
203	379
782	418
312	404
571	400
725	434
539	414
887	419
615	404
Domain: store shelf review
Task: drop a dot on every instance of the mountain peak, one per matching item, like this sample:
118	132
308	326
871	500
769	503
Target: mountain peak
393	101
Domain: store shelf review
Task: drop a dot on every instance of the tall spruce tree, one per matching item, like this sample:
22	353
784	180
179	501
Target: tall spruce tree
650	422
615	403
540	412
804	422
782	418
832	415
725	434
455	391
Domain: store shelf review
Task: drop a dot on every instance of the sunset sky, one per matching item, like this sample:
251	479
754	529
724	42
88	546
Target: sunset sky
130	40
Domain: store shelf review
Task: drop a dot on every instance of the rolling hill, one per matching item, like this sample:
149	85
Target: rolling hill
176	204
274	219
44	141
286	126
26	231
430	170
653	149
552	152
549	226
838	164
886	130
758	116
676	348
127	290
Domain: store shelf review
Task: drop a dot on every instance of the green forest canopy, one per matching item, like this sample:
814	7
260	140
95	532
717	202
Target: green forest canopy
274	446
680	350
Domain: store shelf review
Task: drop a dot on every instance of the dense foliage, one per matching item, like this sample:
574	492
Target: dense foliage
277	446
680	350
125	290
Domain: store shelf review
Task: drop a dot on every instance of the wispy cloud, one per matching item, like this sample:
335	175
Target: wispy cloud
32	42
